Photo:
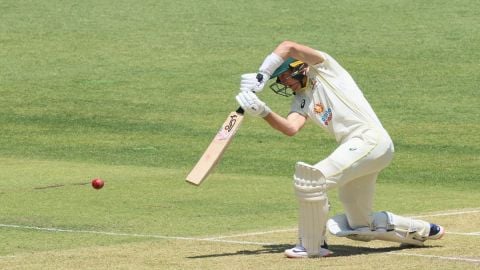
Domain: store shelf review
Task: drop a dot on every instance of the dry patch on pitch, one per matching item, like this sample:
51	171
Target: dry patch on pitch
459	249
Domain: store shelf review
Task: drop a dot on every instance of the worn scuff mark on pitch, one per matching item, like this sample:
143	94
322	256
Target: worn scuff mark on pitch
61	185
50	186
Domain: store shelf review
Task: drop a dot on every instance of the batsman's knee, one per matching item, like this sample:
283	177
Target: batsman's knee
309	182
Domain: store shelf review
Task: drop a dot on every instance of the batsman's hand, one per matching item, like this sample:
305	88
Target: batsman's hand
253	82
252	104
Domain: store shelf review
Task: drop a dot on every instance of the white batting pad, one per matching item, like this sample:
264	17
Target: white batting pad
310	189
386	226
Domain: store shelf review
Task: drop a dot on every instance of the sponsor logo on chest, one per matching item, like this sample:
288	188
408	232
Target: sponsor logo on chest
323	114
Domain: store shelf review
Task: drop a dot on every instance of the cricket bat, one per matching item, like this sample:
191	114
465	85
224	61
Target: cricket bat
217	147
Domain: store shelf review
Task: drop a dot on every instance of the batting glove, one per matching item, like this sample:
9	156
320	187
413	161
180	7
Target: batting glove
253	82
252	104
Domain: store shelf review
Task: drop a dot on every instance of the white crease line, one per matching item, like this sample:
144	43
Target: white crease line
135	235
468	234
448	214
253	234
436	257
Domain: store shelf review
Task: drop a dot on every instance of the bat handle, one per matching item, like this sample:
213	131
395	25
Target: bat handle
240	110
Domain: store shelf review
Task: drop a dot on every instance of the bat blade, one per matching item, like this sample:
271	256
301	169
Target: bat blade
217	147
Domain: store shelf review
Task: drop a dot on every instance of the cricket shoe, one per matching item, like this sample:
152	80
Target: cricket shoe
300	252
436	232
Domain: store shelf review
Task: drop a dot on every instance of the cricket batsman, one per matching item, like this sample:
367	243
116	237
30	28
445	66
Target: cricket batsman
324	92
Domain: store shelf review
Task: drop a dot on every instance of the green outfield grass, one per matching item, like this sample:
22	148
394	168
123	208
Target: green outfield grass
133	92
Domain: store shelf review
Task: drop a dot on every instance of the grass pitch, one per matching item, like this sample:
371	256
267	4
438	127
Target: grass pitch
134	92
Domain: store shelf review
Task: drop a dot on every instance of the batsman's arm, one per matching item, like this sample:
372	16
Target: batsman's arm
288	126
298	51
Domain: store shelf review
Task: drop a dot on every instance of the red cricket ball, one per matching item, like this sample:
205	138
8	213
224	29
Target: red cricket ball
97	183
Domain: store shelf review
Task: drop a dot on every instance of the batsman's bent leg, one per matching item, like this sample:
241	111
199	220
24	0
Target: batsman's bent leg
357	200
387	227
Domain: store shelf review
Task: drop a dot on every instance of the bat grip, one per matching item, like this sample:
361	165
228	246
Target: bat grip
240	110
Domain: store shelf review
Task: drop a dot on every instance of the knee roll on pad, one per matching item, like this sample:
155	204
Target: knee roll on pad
309	182
385	226
310	189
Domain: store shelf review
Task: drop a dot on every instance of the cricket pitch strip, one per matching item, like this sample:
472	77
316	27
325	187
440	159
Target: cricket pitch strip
458	249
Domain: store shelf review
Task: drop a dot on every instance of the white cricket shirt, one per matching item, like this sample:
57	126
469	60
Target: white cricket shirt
335	102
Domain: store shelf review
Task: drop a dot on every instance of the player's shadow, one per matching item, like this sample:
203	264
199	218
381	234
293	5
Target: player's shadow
345	251
267	249
338	250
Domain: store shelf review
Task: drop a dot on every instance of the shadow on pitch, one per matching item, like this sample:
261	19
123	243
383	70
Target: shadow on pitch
338	250
345	251
268	249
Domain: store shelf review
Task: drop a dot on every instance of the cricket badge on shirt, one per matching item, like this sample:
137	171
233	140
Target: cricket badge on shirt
318	108
324	114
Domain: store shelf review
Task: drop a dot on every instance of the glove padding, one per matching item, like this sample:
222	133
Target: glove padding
252	104
253	82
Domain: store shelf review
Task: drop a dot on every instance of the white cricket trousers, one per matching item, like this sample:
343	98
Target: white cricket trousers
353	168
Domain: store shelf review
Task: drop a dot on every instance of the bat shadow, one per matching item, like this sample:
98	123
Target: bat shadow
338	250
